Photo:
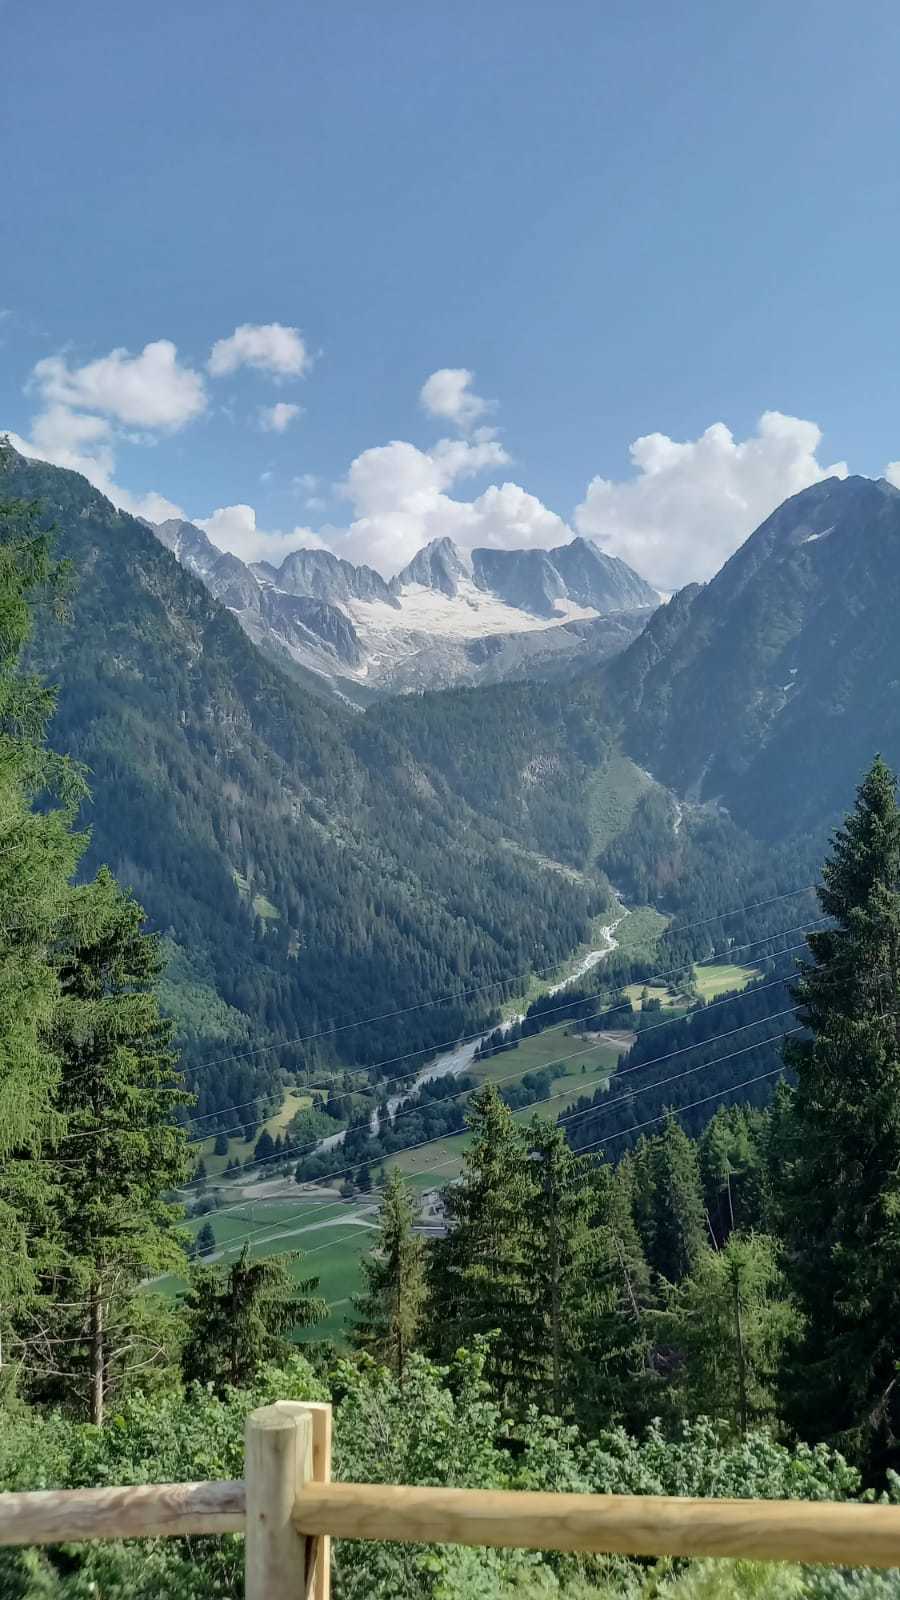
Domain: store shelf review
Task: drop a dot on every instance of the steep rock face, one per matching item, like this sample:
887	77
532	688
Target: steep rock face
440	565
593	578
526	579
770	689
322	576
302	621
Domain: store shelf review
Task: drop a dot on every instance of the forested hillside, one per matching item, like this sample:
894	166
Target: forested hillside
307	871
768	690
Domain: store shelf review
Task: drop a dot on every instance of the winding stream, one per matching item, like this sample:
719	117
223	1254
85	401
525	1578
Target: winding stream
451	1063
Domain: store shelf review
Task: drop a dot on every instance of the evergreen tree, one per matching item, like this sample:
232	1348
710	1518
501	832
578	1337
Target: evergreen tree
121	1153
619	1381
670	1203
562	1254
479	1272
239	1317
38	854
221	1144
389	1311
840	1139
265	1146
730	1322
205	1241
733	1170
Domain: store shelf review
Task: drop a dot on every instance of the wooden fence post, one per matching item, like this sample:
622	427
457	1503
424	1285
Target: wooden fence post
318	1555
277	1463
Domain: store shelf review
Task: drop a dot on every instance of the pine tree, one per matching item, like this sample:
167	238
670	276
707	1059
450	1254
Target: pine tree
39	852
389	1311
239	1317
619	1381
479	1272
840	1139
562	1254
221	1144
121	1153
733	1172
670	1204
204	1242
730	1322
265	1146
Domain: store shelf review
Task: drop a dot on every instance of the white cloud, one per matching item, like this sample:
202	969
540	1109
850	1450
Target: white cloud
692	503
892	473
270	347
448	394
152	390
234	528
399	496
275	419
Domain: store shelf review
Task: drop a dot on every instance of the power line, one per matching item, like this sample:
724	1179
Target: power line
493	983
297	1150
572	1116
485	1032
460	1040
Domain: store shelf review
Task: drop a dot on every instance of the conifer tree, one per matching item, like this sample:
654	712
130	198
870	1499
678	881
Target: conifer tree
120	1153
39	851
479	1272
732	1170
239	1317
840	1140
730	1322
670	1202
562	1254
389	1311
618	1380
205	1241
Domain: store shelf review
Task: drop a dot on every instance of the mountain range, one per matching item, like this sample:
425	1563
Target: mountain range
451	616
310	864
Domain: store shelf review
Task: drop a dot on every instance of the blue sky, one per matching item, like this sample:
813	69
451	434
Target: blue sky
623	219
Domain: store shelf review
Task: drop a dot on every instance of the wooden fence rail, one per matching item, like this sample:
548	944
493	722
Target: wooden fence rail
288	1509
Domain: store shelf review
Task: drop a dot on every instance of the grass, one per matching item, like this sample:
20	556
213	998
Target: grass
265	909
332	1241
242	1149
435	1165
641	931
716	980
709	983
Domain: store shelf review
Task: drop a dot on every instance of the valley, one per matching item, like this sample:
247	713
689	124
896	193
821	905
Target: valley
449	803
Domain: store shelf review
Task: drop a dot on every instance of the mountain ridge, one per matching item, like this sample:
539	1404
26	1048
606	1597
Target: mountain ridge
769	689
411	633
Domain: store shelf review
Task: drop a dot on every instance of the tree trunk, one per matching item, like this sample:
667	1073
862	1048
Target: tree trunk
556	1318
741	1359
98	1376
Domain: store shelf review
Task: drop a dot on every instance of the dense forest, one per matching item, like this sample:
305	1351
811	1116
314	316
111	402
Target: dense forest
710	1308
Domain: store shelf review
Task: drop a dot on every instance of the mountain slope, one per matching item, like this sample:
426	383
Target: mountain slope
307	867
770	689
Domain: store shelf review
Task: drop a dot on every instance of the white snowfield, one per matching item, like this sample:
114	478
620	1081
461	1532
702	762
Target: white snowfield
470	614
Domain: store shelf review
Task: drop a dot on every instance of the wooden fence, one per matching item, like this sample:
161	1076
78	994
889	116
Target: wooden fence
288	1509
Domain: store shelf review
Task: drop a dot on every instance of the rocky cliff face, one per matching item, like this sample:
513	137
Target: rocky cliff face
450	616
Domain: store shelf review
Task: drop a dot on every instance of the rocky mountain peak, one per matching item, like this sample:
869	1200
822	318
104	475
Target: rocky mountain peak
439	565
